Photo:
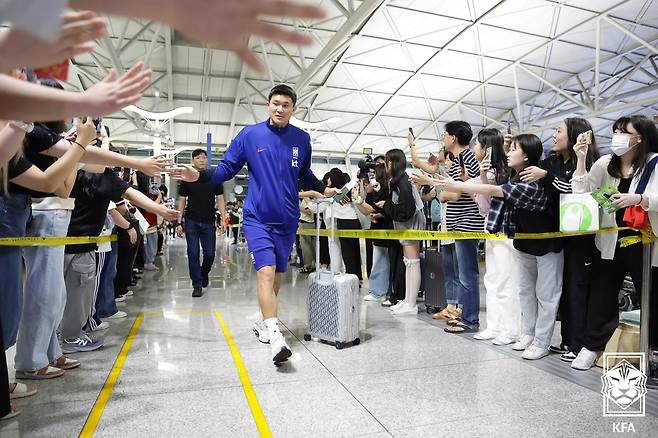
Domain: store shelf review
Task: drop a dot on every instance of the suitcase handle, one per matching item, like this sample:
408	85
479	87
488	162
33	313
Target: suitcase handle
317	234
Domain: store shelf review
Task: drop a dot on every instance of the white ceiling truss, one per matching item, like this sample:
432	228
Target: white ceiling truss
382	66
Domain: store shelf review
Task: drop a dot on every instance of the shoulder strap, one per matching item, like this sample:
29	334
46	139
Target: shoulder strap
646	175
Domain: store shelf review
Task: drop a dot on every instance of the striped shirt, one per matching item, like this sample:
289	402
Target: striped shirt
463	214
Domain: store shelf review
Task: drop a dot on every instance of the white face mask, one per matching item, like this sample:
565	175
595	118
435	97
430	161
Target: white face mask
621	143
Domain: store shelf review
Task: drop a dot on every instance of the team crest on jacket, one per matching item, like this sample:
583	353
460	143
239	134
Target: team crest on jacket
295	156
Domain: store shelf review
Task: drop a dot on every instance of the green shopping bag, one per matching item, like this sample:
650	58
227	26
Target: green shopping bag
578	212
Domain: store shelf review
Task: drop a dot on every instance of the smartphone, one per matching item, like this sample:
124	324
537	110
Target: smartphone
487	154
587	136
509	127
411	131
347	188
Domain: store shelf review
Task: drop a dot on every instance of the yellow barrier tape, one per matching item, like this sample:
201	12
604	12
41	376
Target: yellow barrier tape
443	235
54	240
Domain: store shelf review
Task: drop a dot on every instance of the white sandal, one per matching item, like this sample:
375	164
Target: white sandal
22	390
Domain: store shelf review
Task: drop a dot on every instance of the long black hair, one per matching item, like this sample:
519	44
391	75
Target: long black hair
398	161
575	127
493	139
648	133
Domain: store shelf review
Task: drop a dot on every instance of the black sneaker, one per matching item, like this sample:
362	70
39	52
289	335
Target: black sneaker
197	292
205	280
569	356
559	349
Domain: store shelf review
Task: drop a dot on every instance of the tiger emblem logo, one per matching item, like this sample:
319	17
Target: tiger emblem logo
624	385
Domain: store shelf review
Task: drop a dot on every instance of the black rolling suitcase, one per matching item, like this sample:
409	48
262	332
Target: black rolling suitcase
434	279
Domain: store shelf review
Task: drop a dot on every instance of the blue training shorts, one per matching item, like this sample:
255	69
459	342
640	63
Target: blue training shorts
268	246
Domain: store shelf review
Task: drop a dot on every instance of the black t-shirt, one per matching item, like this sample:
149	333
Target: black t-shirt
93	193
40	139
17	166
200	205
384	223
624	187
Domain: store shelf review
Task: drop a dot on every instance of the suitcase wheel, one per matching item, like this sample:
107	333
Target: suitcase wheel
357	341
307	337
340	345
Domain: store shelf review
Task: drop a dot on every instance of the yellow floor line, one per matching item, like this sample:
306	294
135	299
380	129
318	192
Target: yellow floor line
97	412
161	313
250	394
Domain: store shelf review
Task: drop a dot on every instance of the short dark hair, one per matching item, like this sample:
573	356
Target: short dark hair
460	129
283	90
197	152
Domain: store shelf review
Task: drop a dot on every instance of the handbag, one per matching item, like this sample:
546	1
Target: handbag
635	216
578	212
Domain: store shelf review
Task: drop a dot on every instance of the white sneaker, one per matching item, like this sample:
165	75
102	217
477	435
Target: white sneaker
387	303
503	340
533	353
129	294
261	331
485	335
280	350
117	315
120	299
371	297
150	267
397	305
406	309
523	343
585	360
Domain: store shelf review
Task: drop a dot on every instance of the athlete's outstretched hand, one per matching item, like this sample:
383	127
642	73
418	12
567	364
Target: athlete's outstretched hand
183	173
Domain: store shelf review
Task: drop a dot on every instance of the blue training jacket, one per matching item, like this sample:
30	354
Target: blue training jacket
277	159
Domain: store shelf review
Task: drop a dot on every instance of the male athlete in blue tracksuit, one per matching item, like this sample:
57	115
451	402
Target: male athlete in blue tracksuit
278	156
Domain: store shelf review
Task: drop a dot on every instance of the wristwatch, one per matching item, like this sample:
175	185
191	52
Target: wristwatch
23	126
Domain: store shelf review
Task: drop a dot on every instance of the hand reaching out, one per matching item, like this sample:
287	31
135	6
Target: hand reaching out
76	36
114	93
183	173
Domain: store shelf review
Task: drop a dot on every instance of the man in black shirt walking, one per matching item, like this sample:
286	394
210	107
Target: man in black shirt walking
197	201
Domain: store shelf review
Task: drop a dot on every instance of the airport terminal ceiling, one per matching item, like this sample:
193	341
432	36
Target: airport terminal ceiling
379	67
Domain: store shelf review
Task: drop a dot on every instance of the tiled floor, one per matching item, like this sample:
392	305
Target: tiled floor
407	379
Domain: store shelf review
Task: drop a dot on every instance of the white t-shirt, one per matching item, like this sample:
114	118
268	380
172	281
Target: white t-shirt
107	230
42	18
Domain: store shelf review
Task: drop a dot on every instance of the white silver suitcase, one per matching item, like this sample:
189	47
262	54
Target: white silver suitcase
333	302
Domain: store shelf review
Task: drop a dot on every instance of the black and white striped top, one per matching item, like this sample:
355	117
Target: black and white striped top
463	214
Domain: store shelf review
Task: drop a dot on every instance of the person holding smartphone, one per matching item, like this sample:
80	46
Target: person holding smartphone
555	173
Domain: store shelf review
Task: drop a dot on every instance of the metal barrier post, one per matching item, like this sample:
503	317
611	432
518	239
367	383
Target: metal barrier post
652	381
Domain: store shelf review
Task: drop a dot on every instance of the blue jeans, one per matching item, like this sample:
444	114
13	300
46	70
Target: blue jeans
150	247
105	304
451	273
379	275
199	233
14	213
469	281
45	293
